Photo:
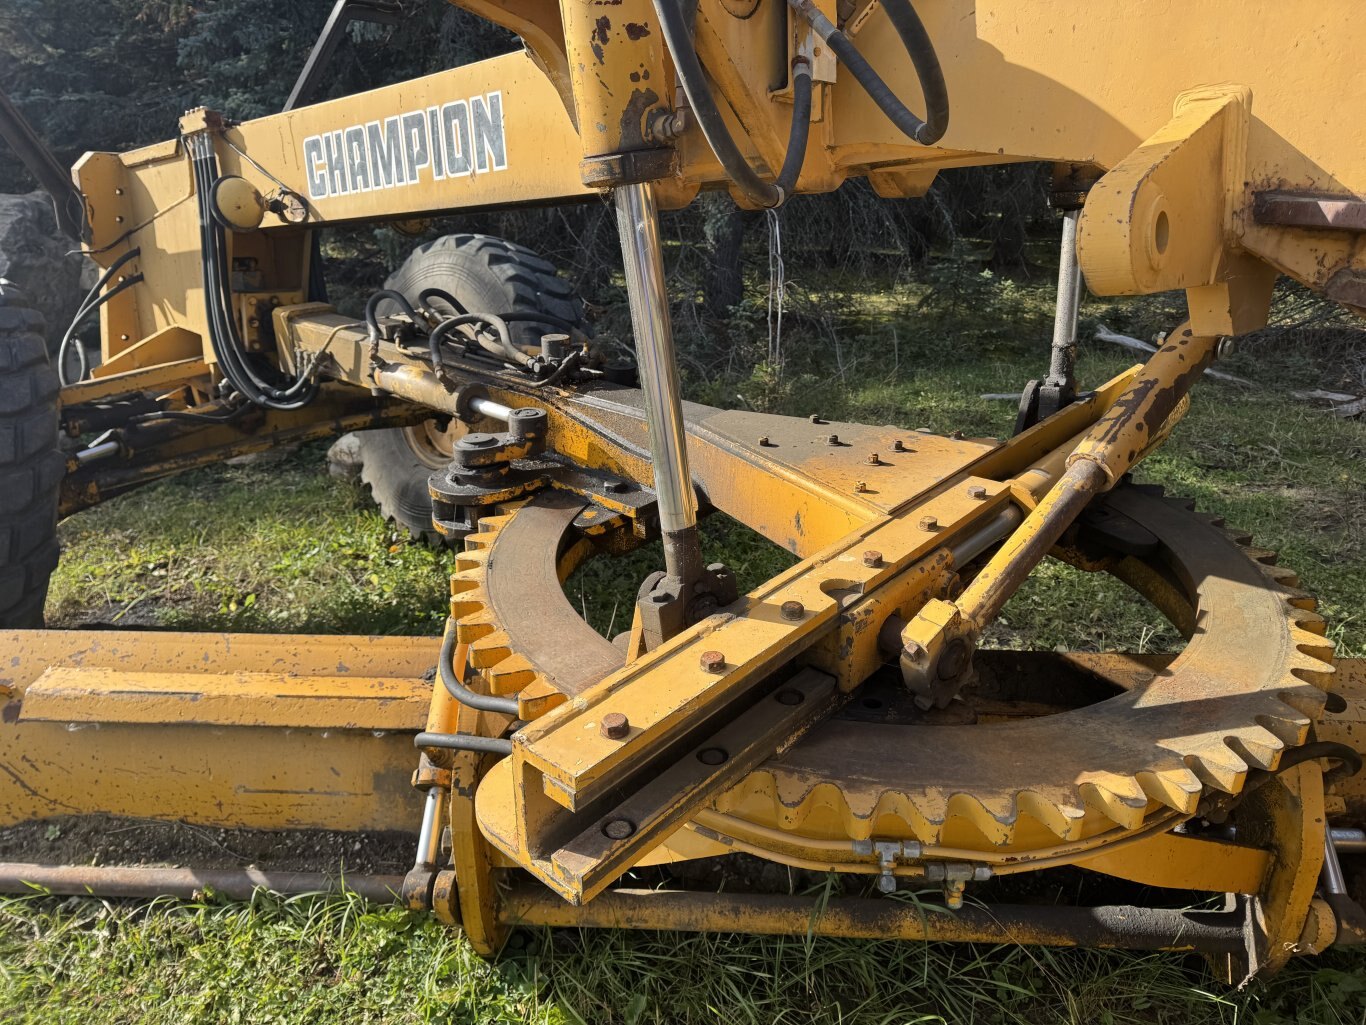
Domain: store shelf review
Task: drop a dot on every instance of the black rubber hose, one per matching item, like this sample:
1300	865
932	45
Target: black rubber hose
801	126
1350	759
919	48
372	308
569	363
223	336
443	295
446	670
83	364
499	326
674	26
91	297
464	742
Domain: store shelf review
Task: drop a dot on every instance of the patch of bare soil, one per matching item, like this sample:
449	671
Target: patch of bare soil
106	840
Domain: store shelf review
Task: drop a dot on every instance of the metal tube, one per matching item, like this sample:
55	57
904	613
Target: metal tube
638	225
489	408
103	450
429	837
1131	928
1333	879
1349	841
187	883
975	544
1062	366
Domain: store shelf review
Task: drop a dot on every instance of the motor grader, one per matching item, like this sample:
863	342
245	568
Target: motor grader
843	719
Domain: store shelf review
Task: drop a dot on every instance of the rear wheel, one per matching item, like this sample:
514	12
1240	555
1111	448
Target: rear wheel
486	275
31	467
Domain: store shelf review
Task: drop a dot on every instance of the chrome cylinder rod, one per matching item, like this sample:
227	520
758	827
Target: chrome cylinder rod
638	224
1062	364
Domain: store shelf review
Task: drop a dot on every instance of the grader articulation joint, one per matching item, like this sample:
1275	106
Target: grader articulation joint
841	718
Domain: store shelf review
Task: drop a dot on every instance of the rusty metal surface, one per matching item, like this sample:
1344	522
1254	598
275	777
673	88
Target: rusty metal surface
512	610
1309	210
187	883
1117	927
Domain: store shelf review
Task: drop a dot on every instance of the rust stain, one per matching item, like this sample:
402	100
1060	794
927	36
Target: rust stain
635	31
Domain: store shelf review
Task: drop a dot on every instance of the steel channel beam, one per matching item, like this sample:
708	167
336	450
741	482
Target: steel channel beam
1122	927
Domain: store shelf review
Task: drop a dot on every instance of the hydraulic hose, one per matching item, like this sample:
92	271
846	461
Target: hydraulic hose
233	360
464	742
673	24
88	307
446	670
918	47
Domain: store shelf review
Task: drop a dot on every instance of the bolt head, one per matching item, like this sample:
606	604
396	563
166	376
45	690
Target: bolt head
615	487
929	523
912	650
712	661
618	829
872	559
874	459
977	492
793	611
898	446
832	439
860	486
615	726
790	696
712	756
763	441
815	418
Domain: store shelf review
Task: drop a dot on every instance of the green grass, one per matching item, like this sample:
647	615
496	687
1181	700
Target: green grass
281	546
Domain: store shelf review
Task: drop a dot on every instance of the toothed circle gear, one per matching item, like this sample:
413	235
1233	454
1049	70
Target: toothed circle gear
1246	687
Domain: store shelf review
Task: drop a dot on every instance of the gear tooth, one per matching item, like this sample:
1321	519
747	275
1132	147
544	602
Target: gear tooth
487	651
1289	728
1298	599
1266	556
993	817
474	626
464	607
536	699
471	563
1215	764
1063	818
1121	799
1307	698
511	674
466	580
1284	577
1178	789
1257	746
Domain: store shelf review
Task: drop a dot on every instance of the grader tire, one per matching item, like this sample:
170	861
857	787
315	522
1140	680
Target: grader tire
31	467
487	275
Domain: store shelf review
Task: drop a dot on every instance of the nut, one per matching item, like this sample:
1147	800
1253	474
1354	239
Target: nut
929	523
615	726
712	661
977	492
872	559
793	611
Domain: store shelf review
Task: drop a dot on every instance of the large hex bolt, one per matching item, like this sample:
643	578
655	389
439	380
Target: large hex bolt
615	726
713	662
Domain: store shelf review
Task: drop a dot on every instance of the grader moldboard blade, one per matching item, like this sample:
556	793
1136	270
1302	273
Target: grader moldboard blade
841	719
